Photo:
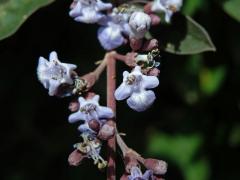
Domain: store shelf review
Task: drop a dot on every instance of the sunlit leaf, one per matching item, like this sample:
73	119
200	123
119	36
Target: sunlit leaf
185	36
231	7
14	12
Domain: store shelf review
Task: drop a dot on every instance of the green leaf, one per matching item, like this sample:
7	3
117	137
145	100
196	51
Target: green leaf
181	150
211	79
14	12
232	8
185	36
191	6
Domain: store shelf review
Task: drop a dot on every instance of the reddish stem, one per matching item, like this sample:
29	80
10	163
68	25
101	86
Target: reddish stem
111	102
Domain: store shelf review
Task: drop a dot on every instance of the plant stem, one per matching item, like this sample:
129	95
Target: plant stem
111	102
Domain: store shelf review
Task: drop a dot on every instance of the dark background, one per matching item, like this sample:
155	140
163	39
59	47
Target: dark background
193	125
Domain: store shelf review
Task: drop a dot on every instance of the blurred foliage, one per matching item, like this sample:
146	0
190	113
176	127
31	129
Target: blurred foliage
195	116
232	8
181	150
14	12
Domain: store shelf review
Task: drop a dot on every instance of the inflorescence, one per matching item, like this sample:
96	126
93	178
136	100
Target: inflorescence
124	24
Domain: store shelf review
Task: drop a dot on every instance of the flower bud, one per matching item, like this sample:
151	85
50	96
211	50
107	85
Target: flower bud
124	176
73	106
139	23
154	72
158	167
150	45
94	125
130	161
75	158
107	131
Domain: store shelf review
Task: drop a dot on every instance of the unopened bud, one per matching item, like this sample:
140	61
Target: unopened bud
150	45
158	167
94	125
124	176
73	106
153	72
130	161
75	158
107	131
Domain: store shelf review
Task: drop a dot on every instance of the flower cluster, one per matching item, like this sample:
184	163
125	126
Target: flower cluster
118	25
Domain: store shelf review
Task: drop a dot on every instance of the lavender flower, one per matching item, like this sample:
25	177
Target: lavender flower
134	87
169	7
90	110
139	23
111	34
53	73
89	11
136	174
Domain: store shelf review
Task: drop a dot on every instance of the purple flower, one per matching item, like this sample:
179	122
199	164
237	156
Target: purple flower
90	110
136	174
53	73
111	34
89	11
135	87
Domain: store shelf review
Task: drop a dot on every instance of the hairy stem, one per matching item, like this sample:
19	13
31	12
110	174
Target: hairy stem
111	102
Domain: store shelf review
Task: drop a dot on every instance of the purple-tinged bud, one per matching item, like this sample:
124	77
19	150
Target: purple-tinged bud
130	161
148	8
155	20
75	158
94	125
153	72
107	131
73	106
124	176
150	45
158	167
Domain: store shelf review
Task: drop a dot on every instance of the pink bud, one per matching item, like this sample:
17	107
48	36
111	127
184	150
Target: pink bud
130	161
124	176
94	125
155	20
74	106
148	8
75	158
158	167
153	72
107	131
150	45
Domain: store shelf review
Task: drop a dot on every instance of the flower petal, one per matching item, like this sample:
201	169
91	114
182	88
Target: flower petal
85	128
104	112
110	37
53	86
77	116
150	82
53	56
101	6
76	11
141	101
123	92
